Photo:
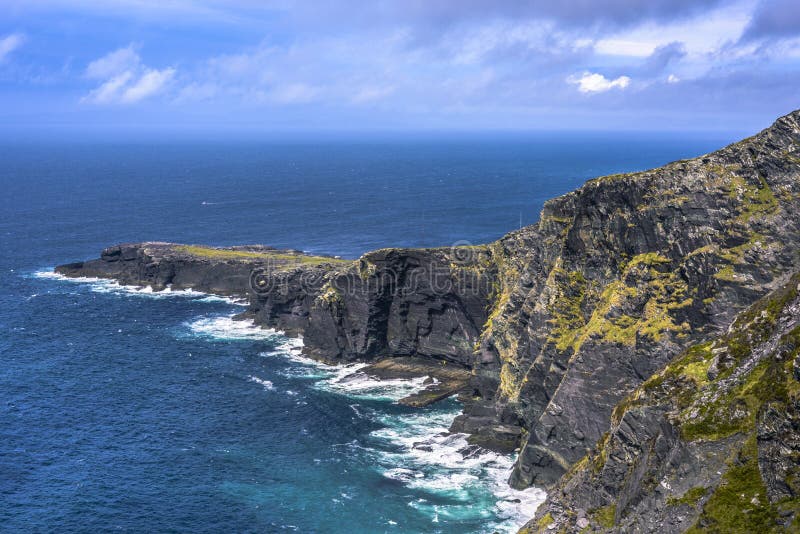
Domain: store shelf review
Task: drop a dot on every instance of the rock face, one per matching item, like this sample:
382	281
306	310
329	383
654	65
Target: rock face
393	302
620	276
557	322
709	444
222	271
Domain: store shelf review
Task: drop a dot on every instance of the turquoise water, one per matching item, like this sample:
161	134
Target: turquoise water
128	410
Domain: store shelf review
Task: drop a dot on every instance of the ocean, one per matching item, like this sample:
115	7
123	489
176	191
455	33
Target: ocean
124	409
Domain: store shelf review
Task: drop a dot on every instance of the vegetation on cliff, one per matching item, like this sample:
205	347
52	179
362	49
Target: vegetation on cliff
623	274
279	257
725	417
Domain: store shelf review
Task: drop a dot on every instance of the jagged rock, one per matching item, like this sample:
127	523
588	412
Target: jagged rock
686	451
779	449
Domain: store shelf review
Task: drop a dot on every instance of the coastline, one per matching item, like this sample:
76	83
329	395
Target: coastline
557	322
403	383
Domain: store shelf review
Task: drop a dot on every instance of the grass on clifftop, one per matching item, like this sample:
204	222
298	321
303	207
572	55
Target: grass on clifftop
228	254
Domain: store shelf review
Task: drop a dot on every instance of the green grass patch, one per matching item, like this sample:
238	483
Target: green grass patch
544	522
605	516
229	254
739	505
691	497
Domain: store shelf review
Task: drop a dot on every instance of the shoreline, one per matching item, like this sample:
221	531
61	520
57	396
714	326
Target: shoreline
441	381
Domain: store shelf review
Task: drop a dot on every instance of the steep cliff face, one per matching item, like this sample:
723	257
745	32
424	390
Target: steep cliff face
711	443
394	302
621	275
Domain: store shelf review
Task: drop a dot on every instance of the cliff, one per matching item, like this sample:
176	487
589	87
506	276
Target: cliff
557	322
221	271
708	444
621	275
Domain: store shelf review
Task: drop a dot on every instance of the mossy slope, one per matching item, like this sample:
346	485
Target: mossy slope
708	444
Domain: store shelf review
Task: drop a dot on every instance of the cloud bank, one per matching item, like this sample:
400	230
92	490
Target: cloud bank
412	63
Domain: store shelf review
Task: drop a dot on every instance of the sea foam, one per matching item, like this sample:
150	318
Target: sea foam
226	328
266	383
104	285
417	450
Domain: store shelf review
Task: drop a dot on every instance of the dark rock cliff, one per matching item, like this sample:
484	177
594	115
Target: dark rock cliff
621	275
222	271
709	444
392	302
557	322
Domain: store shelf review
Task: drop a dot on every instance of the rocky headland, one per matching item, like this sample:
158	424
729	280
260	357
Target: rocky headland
590	341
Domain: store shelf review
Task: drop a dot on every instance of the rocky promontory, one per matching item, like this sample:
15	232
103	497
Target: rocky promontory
556	323
218	270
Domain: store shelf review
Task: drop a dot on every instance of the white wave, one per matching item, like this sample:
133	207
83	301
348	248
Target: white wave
266	383
219	298
226	328
104	285
419	452
515	507
402	474
350	380
345	379
292	346
49	273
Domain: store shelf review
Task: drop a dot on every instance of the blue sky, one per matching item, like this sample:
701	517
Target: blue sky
471	65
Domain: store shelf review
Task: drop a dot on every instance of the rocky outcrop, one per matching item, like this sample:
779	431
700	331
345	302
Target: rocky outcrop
556	322
221	271
442	380
711	443
394	302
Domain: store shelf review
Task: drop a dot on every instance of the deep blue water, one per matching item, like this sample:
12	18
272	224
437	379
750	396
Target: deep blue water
123	410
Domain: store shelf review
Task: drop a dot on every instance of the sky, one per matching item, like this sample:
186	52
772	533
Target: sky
216	66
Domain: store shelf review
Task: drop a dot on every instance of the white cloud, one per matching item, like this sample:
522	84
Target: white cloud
114	63
673	79
109	91
592	82
127	80
9	43
150	83
702	34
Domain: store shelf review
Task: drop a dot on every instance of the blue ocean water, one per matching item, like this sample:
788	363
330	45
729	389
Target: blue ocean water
123	409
